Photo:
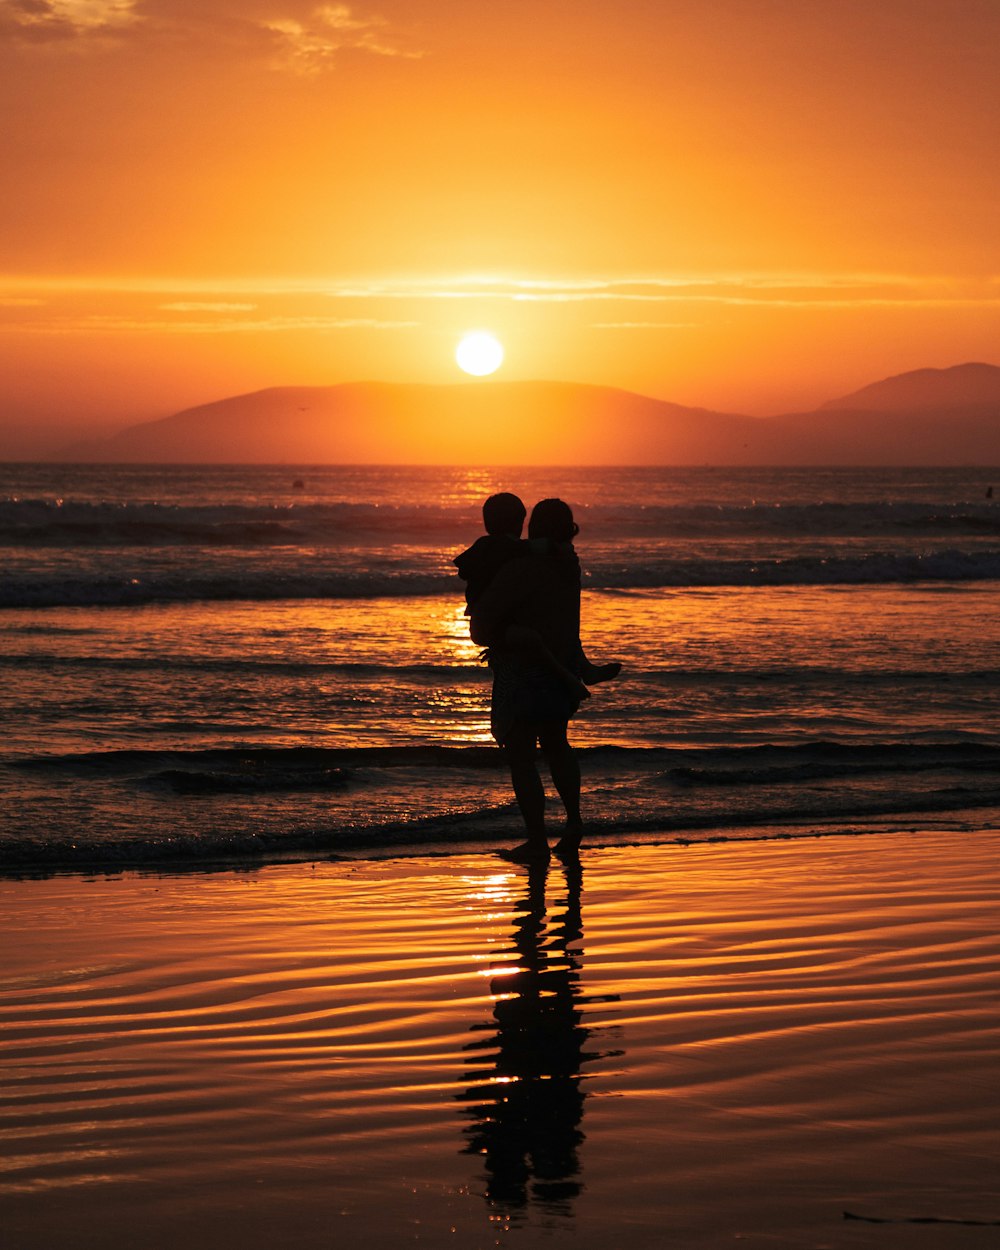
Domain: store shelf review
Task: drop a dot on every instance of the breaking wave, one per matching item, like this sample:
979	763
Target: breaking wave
183	582
57	522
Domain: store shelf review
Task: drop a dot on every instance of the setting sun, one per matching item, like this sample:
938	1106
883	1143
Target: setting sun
479	353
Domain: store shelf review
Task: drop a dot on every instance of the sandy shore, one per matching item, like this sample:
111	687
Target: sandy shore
674	1046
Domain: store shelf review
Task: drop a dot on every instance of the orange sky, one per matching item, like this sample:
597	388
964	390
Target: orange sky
747	205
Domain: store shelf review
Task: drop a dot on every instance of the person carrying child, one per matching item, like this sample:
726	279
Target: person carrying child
503	519
527	612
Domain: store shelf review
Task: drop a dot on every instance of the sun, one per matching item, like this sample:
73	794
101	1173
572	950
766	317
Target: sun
479	353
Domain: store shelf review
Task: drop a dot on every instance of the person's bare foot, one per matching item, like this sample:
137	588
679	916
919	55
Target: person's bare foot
526	853
595	673
568	846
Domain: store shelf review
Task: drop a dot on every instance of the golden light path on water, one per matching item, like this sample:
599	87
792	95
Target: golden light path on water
403	669
666	1045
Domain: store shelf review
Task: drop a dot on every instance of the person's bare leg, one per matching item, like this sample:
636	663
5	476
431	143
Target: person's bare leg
530	642
565	769
593	673
529	794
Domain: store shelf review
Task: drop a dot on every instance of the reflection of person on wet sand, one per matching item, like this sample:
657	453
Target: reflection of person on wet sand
526	1101
531	705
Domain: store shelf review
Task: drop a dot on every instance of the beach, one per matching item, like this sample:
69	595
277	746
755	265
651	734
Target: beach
669	1045
267	981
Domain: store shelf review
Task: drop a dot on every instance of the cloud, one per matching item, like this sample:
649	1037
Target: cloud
758	291
638	299
307	37
186	306
308	47
44	20
103	323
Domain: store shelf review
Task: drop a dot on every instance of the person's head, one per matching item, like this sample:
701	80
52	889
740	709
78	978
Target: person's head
504	514
551	518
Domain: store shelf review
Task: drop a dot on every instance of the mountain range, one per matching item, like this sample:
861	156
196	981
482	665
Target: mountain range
925	417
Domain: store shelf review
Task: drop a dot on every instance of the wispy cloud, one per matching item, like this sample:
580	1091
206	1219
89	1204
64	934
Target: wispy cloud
100	323
188	306
67	19
309	46
775	291
307	38
645	325
647	302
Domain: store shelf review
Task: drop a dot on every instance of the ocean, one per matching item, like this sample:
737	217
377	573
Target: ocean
231	664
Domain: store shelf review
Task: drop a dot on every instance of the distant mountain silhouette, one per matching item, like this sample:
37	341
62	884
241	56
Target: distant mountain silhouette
478	423
929	416
963	386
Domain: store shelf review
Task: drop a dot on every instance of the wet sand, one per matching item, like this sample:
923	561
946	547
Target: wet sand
671	1046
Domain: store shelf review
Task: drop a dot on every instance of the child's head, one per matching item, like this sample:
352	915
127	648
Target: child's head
551	518
504	514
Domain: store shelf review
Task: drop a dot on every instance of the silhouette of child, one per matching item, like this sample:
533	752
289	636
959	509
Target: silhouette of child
503	518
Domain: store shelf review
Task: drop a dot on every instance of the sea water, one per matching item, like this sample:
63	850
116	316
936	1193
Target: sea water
219	663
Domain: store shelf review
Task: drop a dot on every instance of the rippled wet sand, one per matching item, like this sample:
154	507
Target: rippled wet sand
672	1046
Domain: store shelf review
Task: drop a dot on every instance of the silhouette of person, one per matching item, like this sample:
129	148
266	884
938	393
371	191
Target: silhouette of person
526	1099
537	594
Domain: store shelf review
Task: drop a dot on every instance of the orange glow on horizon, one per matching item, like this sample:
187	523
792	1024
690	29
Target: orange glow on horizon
746	210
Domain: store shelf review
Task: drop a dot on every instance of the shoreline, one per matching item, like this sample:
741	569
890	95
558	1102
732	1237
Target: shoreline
961	822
